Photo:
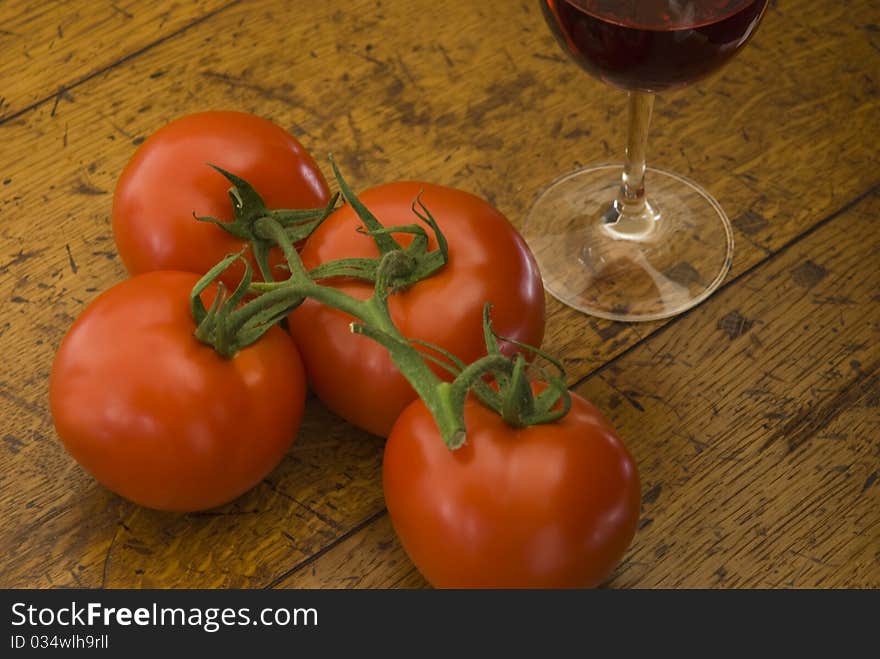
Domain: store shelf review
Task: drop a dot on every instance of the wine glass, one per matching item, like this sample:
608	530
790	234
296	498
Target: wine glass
604	245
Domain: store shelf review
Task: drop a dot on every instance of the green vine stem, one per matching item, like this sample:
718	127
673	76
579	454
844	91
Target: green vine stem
229	325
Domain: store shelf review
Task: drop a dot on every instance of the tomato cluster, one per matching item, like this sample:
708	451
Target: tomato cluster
165	420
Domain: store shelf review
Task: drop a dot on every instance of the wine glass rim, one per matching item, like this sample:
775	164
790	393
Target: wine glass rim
740	5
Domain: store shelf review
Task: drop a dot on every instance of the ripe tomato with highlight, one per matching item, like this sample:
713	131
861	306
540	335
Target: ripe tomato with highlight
548	506
488	262
169	179
161	418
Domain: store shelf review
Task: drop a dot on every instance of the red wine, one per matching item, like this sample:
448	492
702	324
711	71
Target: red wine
651	45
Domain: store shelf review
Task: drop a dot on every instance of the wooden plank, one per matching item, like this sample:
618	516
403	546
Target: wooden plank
754	421
49	47
371	558
69	531
497	112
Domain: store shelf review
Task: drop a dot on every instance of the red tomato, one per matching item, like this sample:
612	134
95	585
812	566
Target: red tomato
547	506
168	180
159	417
488	262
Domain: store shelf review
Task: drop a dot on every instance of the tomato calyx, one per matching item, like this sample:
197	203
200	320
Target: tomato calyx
248	208
504	384
514	398
227	326
413	263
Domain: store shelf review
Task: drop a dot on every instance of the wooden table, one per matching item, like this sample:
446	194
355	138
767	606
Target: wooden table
753	418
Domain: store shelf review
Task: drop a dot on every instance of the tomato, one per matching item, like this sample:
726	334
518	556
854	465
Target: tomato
159	417
168	180
488	262
546	506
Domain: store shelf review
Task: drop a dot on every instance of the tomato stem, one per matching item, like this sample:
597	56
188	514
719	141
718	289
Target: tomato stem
230	326
435	393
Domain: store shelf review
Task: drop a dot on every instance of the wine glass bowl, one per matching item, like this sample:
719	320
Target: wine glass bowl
652	45
604	245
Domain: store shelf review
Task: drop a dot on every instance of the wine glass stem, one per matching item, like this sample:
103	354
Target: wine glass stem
632	216
632	190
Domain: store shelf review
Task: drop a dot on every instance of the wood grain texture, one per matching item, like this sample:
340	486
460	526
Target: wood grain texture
50	47
785	137
755	424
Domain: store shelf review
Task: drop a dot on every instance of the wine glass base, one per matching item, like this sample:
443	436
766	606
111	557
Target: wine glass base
592	261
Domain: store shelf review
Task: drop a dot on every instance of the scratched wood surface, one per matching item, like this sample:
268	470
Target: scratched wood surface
49	46
753	417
